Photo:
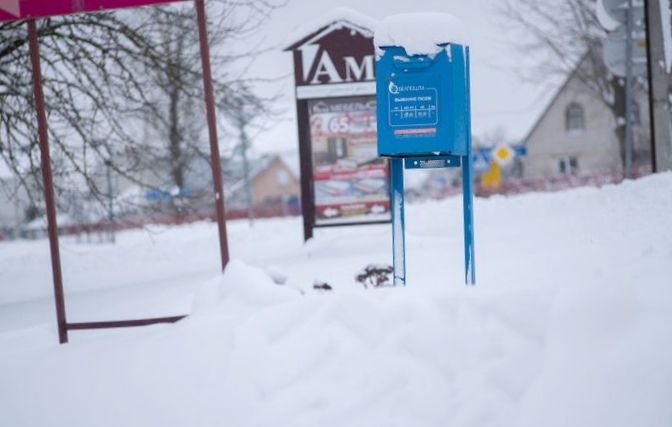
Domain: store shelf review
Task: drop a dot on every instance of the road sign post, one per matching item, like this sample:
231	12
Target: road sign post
628	90
659	76
398	221
625	55
423	111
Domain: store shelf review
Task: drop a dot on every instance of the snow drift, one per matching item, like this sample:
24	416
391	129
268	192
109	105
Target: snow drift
569	325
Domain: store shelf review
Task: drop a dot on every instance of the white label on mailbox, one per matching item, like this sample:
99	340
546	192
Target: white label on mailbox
412	105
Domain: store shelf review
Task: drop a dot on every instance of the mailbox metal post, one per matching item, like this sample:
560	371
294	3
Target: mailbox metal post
423	120
468	192
398	225
468	211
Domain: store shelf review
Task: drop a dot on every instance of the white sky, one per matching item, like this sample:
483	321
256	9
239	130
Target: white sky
500	99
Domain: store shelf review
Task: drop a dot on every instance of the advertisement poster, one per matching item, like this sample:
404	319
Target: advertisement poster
351	183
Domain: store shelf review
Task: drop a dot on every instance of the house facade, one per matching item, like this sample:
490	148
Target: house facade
14	207
575	135
273	184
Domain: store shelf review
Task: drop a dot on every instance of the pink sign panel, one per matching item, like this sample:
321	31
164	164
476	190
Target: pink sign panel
13	10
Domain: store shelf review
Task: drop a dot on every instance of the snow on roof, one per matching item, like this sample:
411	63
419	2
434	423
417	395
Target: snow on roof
420	33
234	171
291	160
334	19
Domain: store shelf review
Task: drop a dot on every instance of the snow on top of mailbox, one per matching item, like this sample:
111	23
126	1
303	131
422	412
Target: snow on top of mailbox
419	33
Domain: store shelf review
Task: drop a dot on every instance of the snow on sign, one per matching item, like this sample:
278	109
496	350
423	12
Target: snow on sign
343	181
12	10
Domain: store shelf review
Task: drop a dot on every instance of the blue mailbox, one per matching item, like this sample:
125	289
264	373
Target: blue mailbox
424	121
422	102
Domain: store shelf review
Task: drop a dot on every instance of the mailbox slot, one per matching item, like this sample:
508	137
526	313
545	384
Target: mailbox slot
412	63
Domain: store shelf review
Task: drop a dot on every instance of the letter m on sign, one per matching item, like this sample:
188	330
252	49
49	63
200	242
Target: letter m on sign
357	72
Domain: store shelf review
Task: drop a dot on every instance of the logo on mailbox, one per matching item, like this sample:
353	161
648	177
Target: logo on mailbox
393	88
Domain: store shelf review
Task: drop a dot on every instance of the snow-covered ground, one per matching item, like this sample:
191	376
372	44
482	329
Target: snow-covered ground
569	324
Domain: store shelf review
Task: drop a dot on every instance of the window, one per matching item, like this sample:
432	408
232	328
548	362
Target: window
281	177
568	165
575	118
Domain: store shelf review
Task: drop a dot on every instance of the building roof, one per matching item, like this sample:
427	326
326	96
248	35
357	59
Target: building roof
555	97
550	104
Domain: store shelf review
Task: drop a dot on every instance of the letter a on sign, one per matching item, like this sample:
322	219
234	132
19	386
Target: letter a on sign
326	67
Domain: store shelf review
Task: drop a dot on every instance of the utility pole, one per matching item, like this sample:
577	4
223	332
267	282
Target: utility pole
628	92
660	85
624	54
244	143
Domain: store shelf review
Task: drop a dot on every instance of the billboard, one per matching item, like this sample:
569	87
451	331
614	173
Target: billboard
350	180
342	180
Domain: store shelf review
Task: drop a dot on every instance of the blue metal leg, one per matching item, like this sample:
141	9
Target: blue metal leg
468	194
398	227
468	202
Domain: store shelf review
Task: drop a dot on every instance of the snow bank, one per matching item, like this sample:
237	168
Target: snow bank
241	286
568	326
420	33
596	362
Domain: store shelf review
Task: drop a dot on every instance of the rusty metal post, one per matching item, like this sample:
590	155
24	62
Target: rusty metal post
48	182
649	78
212	131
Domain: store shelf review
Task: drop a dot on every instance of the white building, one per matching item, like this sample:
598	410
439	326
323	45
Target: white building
575	135
14	205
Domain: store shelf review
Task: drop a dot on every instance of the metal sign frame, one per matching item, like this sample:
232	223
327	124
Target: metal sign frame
327	65
63	325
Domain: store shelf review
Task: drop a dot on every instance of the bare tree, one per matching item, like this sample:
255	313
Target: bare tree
90	88
104	75
564	39
177	87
